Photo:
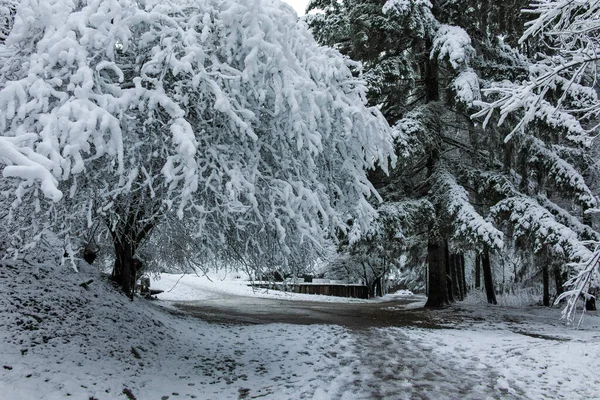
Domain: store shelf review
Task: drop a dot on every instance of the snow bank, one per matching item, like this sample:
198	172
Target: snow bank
60	339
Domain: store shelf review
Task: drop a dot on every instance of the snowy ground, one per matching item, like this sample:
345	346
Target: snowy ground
59	339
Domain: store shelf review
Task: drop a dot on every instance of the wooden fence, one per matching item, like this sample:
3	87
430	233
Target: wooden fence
327	289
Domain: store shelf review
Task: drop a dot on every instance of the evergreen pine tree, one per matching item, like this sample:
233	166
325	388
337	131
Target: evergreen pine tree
426	64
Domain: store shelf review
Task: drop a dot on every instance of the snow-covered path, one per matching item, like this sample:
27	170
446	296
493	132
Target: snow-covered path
480	351
401	363
59	339
509	355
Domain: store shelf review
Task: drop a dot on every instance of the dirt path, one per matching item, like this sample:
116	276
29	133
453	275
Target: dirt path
252	310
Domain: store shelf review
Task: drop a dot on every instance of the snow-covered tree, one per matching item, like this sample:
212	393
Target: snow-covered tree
560	93
225	114
559	89
419	64
427	64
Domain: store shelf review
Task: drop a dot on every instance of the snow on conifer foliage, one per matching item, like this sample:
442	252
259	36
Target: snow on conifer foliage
466	86
563	76
453	43
469	227
529	218
556	110
564	176
431	66
585	232
225	112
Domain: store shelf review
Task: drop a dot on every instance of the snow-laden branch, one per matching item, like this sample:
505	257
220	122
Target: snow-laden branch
466	87
469	226
580	284
454	44
7	11
394	222
418	10
572	30
226	112
563	175
28	169
530	99
529	219
585	232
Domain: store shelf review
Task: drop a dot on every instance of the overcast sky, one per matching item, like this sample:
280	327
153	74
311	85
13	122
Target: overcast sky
299	5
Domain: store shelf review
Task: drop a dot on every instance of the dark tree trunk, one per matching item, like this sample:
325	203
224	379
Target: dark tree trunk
450	278
546	283
459	277
590	304
436	245
127	236
488	277
502	19
463	274
560	278
124	270
484	10
477	271
455	278
378	287
431	75
436	258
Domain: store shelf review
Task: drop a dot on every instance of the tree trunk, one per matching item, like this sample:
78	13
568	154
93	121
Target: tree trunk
488	277
431	75
436	258
459	277
124	269
126	237
559	279
463	274
436	246
477	271
587	217
378	287
590	304
455	277
484	11
450	278
546	283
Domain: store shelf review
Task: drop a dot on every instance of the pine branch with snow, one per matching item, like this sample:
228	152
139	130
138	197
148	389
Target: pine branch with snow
8	8
584	232
581	284
469	227
561	81
529	219
562	174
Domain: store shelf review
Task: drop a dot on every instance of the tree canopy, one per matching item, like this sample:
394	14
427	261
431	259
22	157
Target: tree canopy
226	114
